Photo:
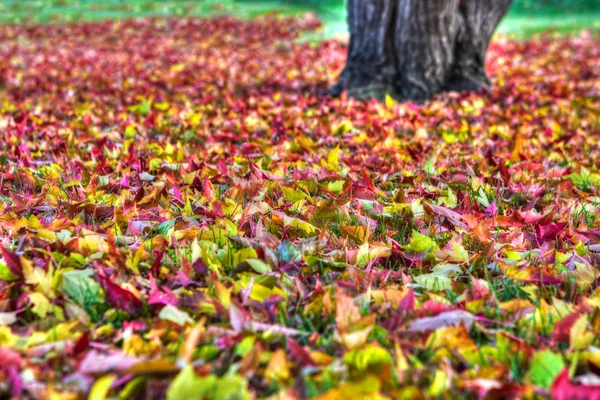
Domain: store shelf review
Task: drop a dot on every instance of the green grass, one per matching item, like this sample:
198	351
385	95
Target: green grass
529	23
522	21
47	11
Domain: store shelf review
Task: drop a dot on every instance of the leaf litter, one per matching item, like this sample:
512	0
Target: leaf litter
184	214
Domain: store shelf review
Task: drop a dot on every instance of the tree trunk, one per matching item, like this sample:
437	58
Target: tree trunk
370	69
478	20
413	49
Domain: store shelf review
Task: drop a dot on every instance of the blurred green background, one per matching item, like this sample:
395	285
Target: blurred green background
525	18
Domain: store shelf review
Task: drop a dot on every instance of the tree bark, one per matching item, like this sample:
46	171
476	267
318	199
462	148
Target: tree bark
370	67
425	40
478	20
413	49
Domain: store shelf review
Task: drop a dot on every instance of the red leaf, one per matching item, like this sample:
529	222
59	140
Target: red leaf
549	232
298	354
157	262
82	344
118	297
408	302
562	329
13	262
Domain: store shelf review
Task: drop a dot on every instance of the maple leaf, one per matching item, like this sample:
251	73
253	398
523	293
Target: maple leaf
227	229
120	298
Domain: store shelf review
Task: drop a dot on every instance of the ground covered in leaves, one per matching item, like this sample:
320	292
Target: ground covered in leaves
183	214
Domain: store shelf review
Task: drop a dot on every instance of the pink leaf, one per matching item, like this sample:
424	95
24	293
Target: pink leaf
449	318
158	297
564	389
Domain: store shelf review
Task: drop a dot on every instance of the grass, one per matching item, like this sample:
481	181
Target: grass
521	21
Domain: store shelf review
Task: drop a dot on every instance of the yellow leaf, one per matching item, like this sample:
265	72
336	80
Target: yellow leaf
366	389
149	367
260	293
355	339
585	274
294	223
457	254
41	304
223	294
244	254
342	127
358	233
440	383
593	357
278	369
187	350
515	305
293	194
92	241
43	280
401	361
366	254
333	159
475	306
389	101
322	359
580	337
101	388
391	296
346	312
7	338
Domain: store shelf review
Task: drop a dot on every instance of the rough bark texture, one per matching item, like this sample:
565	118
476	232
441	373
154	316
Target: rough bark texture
478	20
370	68
425	40
414	49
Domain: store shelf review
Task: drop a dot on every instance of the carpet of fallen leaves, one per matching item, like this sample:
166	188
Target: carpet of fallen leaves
184	215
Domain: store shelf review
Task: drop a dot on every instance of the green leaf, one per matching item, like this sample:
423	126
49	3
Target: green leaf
434	282
232	388
482	198
288	252
545	367
259	266
243	255
430	167
420	243
133	388
368	359
451	201
245	346
175	315
336	186
189	386
164	227
5	274
80	287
